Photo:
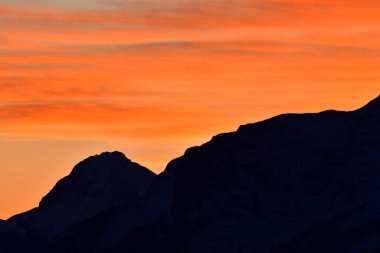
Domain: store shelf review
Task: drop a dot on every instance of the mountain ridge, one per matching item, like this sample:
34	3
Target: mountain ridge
94	185
278	185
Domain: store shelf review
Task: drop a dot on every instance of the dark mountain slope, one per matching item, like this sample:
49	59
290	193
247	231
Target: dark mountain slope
268	183
95	185
356	230
104	231
13	238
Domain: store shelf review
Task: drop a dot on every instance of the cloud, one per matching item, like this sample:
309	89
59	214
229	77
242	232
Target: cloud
42	108
25	66
244	48
66	4
167	14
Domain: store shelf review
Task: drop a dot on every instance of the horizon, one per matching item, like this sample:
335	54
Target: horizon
157	173
153	78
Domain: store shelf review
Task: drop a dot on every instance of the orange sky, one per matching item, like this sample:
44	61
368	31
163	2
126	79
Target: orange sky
151	78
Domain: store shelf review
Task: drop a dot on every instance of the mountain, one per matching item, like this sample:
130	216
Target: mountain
269	183
95	185
103	232
292	183
11	227
355	230
13	238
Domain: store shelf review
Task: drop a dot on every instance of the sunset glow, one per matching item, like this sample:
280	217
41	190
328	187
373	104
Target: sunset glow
151	78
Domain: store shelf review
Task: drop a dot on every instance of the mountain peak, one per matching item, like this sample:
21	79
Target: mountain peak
98	183
111	154
102	174
101	161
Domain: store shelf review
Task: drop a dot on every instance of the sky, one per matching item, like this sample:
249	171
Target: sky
151	78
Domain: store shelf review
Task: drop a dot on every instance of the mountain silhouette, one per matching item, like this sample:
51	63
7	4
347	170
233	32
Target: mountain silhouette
292	183
95	185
